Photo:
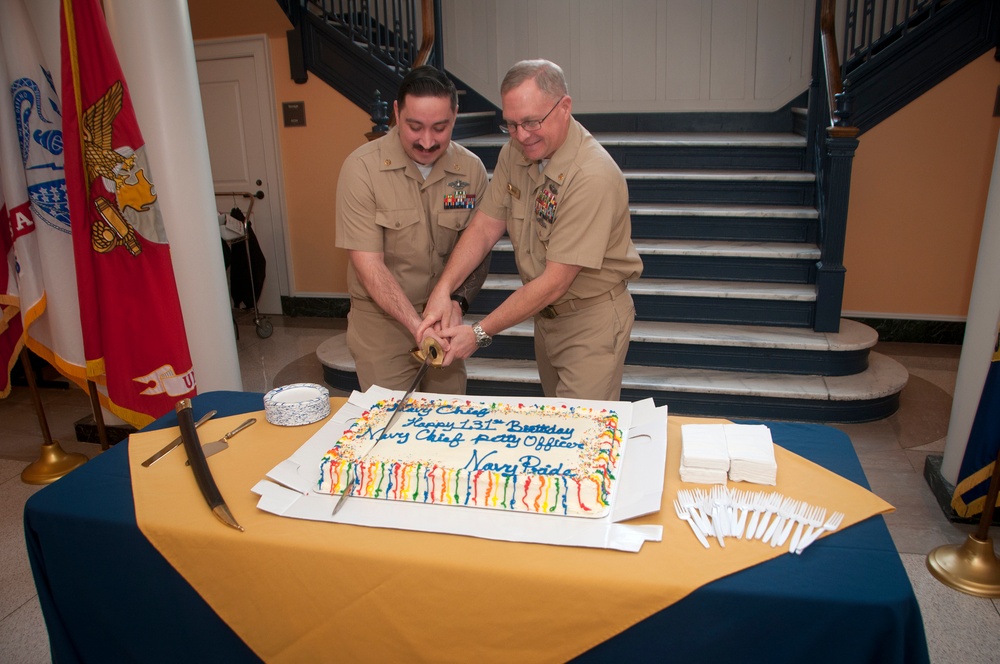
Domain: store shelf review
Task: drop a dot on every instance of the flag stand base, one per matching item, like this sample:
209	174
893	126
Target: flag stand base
972	567
53	462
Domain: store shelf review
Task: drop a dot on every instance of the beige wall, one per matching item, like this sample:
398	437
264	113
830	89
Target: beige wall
918	195
311	157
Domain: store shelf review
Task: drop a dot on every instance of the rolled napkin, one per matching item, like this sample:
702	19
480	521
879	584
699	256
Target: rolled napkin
704	454
751	453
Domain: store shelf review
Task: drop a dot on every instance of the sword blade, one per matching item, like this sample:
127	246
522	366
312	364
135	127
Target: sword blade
430	356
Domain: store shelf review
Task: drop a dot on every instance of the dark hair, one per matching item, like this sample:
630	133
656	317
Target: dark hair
426	81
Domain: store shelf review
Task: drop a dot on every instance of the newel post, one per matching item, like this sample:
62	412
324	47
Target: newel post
840	145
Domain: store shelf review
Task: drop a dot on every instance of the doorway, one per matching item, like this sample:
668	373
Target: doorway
237	96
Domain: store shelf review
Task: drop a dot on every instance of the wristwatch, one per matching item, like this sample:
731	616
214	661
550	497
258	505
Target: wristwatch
482	339
462	302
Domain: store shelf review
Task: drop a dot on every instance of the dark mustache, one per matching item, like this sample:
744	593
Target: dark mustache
433	148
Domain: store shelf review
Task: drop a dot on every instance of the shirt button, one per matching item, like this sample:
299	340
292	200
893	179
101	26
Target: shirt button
388	162
397	224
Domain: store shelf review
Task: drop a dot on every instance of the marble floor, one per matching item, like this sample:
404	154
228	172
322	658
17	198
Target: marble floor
960	628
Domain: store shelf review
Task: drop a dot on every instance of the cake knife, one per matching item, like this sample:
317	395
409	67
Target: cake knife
430	354
202	474
177	441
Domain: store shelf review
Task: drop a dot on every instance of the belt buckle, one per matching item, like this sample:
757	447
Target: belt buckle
548	312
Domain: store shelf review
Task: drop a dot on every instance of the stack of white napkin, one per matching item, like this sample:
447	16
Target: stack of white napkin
711	453
751	454
704	454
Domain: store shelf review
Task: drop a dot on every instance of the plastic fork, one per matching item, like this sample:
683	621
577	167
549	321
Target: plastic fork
692	502
831	524
787	508
773	503
760	500
812	520
744	501
720	511
686	516
795	517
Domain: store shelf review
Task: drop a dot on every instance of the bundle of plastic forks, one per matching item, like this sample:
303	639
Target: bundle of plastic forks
723	513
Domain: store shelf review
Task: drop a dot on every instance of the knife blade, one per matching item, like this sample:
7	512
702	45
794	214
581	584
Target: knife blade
177	441
202	474
431	354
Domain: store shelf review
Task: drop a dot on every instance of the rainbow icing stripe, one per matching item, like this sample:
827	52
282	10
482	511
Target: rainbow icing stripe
526	458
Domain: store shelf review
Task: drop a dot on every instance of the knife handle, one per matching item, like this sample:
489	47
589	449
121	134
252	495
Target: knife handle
199	464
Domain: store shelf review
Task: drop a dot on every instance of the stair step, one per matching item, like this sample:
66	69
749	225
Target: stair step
679	149
773	250
775	262
688	288
701	221
694	301
725	347
870	394
670	139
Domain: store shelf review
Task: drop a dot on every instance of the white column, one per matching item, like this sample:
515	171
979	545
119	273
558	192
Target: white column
156	51
980	332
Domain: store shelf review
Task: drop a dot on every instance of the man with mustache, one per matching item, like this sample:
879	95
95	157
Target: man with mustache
564	204
402	202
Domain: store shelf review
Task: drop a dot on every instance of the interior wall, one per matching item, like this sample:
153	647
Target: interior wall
918	196
311	157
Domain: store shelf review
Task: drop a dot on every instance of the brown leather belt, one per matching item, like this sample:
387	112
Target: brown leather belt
554	310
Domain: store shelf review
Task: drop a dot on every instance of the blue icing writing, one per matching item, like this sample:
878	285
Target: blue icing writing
547	443
508	439
551	429
482	464
399	437
467	425
432	436
532	464
459	409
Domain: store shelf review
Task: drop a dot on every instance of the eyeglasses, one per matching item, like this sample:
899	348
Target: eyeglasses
527	125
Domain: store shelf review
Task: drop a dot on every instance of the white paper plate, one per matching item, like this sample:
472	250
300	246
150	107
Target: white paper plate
297	404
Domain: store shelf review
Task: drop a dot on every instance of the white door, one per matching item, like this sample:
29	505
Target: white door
237	100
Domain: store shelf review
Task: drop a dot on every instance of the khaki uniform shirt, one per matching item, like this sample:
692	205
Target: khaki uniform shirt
385	205
574	212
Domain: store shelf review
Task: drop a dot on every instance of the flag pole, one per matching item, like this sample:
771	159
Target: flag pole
53	462
972	567
95	404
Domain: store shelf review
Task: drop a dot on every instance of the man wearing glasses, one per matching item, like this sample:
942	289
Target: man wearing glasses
564	203
402	202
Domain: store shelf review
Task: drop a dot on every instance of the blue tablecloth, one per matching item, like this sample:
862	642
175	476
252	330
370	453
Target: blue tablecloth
108	596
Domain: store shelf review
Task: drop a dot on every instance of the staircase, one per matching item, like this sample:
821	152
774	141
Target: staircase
726	302
741	266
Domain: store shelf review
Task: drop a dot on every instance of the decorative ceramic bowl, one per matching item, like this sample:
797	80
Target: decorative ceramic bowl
296	404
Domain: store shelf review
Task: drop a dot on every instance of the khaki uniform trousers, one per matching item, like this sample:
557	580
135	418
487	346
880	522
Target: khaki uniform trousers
581	354
381	348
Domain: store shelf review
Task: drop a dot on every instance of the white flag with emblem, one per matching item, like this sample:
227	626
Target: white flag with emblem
34	187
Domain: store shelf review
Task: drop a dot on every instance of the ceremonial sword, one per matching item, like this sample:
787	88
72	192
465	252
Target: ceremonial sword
430	354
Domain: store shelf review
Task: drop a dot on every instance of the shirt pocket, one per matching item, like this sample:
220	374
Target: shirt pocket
447	225
400	232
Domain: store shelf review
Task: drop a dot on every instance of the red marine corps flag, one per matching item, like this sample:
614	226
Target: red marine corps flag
133	330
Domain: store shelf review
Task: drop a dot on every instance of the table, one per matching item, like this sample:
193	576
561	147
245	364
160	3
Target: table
108	595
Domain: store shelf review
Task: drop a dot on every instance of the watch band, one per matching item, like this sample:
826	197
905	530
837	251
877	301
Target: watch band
482	339
462	302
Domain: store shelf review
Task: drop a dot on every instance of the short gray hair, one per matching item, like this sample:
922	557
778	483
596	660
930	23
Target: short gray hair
548	76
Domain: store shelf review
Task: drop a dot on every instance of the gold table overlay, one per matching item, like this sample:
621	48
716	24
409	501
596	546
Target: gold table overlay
297	590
